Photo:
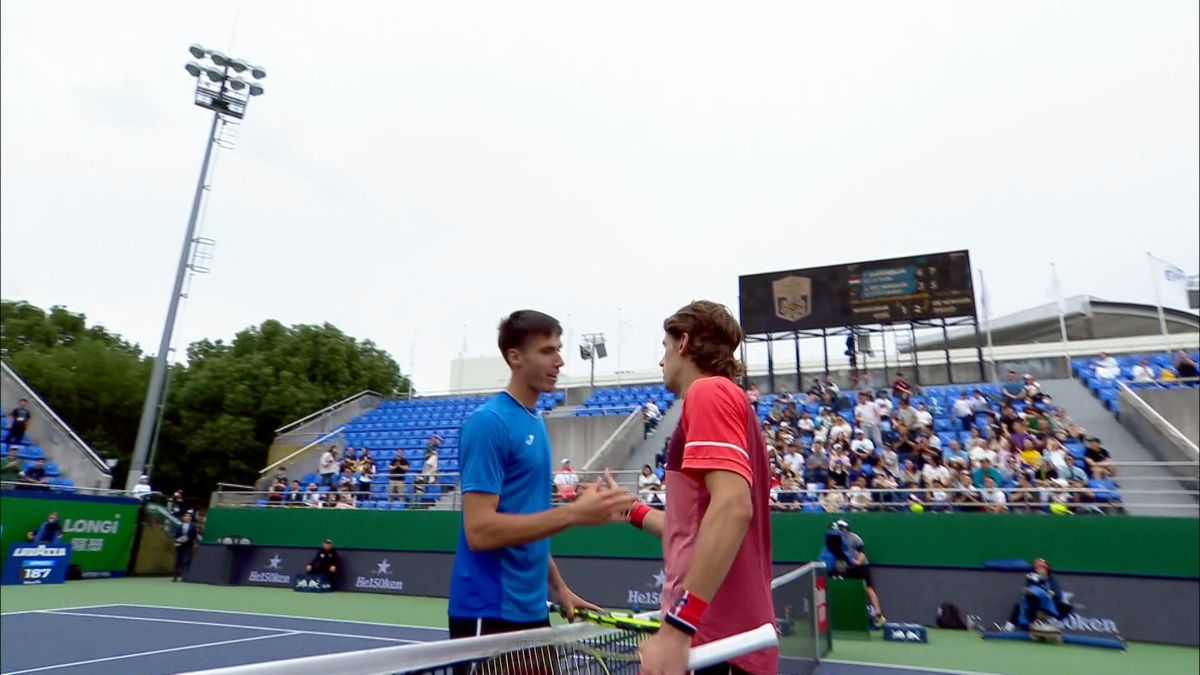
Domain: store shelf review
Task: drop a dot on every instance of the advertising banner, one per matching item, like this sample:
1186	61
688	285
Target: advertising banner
1135	608
27	564
99	530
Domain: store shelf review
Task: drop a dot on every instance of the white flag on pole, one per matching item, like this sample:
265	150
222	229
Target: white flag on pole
1171	271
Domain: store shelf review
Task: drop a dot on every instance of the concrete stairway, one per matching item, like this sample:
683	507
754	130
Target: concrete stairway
1088	412
653	445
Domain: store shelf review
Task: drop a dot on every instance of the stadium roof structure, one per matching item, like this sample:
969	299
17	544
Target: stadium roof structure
1087	318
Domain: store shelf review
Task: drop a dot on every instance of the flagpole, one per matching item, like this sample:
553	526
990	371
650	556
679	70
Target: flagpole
1162	317
1062	316
987	324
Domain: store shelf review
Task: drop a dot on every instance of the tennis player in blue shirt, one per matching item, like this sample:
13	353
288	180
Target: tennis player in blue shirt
503	572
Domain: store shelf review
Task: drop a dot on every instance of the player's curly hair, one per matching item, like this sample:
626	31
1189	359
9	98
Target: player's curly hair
713	337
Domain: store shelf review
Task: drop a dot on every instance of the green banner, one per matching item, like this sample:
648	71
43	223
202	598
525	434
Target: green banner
1097	544
100	529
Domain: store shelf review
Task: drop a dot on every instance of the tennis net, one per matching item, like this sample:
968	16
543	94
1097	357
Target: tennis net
577	648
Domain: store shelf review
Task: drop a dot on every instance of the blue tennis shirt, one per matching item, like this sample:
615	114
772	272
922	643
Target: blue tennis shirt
504	450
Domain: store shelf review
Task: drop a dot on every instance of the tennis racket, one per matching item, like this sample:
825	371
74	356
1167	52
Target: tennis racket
618	620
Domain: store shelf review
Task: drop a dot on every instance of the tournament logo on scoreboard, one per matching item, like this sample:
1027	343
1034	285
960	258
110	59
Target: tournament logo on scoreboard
793	297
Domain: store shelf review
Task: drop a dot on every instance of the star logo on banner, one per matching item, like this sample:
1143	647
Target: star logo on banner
275	562
660	578
383	566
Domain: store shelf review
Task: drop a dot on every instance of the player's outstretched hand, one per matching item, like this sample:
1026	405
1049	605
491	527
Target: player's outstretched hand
599	503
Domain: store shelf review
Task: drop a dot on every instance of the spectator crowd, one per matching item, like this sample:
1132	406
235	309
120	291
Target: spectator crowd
985	448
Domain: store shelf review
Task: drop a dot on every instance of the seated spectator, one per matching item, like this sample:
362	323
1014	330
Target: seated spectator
954	453
277	491
935	471
36	474
1095	455
1143	372
985	471
281	474
566	481
937	499
1033	390
994	499
753	394
883	404
833	500
1106	367
345	498
1072	471
901	389
1185	367
862	446
1056	453
295	496
312	497
886	484
1031	456
649	487
859	495
924	418
1013	388
10	467
1022	496
326	562
1061	423
841	431
909	475
889	461
906	414
967	497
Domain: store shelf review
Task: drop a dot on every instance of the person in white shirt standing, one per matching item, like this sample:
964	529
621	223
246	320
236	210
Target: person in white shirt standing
964	411
866	413
329	466
143	487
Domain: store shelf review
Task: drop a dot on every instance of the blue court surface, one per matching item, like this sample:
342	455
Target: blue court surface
142	639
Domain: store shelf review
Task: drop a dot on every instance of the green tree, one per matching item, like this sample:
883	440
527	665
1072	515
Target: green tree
223	406
224	409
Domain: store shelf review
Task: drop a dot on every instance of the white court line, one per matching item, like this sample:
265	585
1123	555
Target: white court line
156	651
55	609
230	625
285	616
902	666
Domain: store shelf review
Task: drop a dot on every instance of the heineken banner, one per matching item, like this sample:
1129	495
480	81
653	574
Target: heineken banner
99	529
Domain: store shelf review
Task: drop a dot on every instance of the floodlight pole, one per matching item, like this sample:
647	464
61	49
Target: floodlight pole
158	375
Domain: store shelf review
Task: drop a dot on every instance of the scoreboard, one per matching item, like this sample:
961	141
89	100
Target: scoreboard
937	285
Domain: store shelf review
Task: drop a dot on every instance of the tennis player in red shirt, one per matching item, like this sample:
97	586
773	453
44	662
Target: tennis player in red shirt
716	529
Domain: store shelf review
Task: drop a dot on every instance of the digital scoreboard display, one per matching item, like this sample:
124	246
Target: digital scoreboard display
937	285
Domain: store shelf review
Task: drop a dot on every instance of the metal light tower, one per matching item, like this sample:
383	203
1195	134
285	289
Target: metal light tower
592	348
221	89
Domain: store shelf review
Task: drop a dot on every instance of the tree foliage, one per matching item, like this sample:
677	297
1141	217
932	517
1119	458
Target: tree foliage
223	406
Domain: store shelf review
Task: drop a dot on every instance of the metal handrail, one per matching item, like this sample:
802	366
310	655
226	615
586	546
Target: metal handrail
328	408
75	489
91	454
289	457
1160	421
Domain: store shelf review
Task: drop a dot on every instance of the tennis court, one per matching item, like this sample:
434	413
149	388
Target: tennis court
131	626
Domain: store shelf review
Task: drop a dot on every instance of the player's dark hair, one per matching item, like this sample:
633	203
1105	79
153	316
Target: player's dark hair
523	324
713	337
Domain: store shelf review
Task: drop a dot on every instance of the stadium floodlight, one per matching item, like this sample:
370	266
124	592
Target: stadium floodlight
226	95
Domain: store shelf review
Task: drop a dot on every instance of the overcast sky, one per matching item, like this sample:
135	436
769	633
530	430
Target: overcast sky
417	170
